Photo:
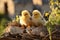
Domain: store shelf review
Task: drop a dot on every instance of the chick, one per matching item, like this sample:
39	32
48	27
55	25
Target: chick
37	18
25	19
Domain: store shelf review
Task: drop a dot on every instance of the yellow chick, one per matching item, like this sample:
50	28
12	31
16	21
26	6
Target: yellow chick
25	19
37	18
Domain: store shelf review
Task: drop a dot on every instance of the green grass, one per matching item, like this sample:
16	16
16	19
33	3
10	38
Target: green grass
3	22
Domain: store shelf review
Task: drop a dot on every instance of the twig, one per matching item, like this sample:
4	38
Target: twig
48	34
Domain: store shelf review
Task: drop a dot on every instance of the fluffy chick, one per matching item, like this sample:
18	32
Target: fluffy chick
37	18
25	19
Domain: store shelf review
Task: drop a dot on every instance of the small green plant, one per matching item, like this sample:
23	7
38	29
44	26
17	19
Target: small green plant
49	28
54	18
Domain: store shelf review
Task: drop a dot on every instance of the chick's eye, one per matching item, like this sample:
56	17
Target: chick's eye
26	14
36	14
